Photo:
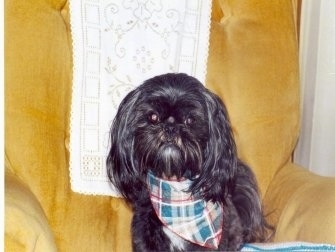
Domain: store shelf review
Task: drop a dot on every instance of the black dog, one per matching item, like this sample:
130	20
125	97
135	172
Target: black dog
173	157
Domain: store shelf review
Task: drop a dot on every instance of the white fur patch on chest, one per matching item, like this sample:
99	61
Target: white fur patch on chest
176	241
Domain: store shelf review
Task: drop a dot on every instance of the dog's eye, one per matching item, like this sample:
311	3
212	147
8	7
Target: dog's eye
153	118
189	121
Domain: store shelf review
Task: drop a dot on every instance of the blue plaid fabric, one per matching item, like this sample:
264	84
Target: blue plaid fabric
185	214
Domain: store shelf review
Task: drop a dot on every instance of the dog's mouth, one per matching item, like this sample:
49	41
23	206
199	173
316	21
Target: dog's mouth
173	157
170	141
175	177
175	160
170	160
172	164
172	178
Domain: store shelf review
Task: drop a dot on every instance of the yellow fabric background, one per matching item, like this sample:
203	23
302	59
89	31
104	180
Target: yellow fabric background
253	66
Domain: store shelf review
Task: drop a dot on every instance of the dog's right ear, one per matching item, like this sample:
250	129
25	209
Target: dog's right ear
121	163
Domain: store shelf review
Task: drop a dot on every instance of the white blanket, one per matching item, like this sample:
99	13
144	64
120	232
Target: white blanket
117	44
288	246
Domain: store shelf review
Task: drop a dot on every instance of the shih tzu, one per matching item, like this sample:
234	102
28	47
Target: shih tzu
173	158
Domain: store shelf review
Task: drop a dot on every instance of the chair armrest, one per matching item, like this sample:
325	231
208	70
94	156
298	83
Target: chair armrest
26	227
303	206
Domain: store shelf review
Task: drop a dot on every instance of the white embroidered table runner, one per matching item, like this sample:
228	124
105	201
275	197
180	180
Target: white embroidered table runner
117	44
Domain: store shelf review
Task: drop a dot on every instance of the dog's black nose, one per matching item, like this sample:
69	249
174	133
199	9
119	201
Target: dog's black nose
170	129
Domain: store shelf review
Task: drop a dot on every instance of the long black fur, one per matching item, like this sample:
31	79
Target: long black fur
174	126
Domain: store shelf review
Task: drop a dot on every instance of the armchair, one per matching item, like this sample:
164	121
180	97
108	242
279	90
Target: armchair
252	65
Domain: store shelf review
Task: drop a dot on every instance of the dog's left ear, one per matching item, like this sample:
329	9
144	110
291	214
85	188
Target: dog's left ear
220	158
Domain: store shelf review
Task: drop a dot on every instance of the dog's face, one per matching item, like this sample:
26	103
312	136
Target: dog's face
175	127
170	131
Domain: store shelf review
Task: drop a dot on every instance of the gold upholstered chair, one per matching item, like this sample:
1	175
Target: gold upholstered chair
252	65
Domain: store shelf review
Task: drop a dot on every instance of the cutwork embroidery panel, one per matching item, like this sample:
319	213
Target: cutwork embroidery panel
117	44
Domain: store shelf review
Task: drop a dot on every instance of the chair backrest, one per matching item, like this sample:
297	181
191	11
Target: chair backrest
253	66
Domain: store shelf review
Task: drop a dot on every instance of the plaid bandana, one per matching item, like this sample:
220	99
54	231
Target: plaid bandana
185	214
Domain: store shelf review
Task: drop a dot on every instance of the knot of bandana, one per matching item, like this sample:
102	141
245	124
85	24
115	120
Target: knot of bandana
185	214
